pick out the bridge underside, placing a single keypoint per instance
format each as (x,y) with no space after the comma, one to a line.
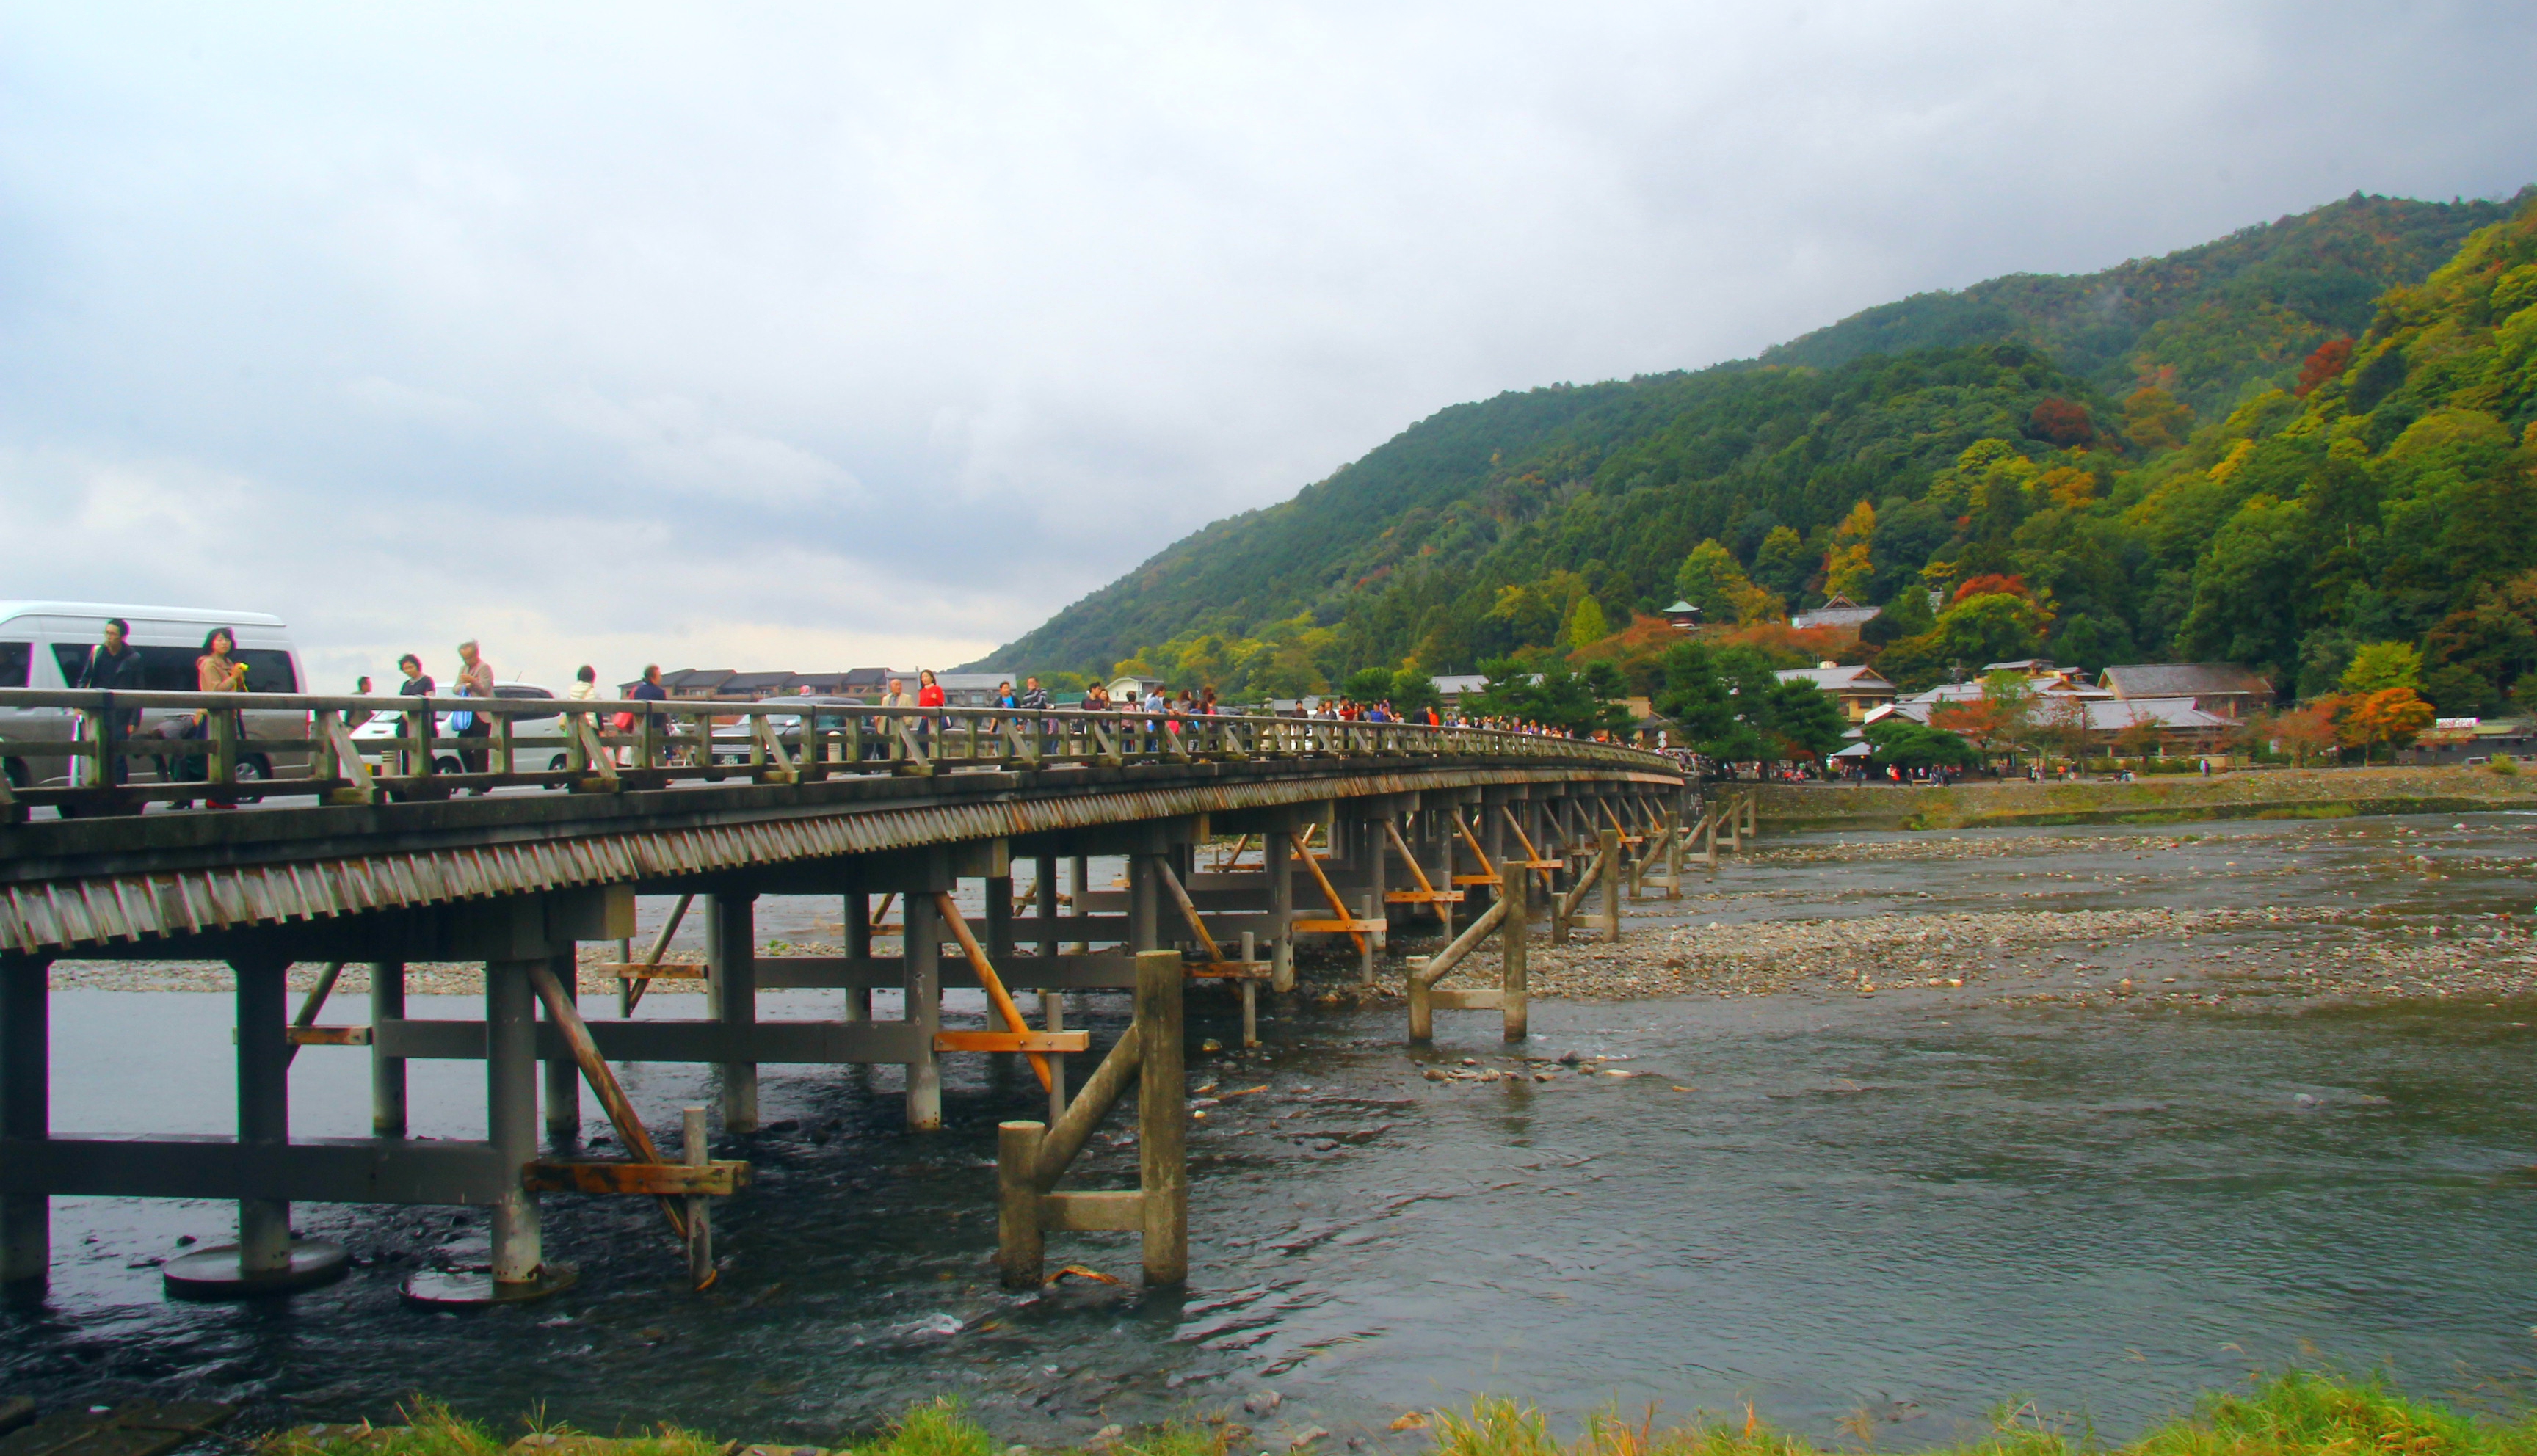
(1343,852)
(142,885)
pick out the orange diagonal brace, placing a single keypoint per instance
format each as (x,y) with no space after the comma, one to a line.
(1469,839)
(1339,906)
(1530,853)
(1189,910)
(995,992)
(1394,830)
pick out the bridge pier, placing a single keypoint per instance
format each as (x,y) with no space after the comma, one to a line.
(921,942)
(856,918)
(387,1072)
(519,1263)
(1144,903)
(25,1115)
(730,996)
(263,1108)
(1281,910)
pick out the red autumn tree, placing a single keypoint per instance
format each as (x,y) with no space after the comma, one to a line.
(2062,422)
(1990,584)
(2327,362)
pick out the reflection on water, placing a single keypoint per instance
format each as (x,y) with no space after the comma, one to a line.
(1910,1204)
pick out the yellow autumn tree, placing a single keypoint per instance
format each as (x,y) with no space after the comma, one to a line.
(1848,570)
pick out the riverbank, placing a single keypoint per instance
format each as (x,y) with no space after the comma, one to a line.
(2249,794)
(2294,1414)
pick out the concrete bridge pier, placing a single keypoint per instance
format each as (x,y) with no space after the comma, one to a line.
(387,1073)
(511,1120)
(263,1107)
(858,946)
(26,1113)
(1281,911)
(265,1259)
(731,996)
(922,955)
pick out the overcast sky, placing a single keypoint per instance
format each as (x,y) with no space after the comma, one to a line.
(814,337)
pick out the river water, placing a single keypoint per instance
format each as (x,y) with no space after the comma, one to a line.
(1885,1214)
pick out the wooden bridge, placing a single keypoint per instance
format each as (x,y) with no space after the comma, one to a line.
(361,849)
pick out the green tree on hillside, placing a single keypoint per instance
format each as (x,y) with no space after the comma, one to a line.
(1555,696)
(2379,665)
(1710,579)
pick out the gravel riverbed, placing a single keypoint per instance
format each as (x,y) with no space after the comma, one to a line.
(2426,907)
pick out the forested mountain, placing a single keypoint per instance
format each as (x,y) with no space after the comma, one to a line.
(2206,323)
(2189,455)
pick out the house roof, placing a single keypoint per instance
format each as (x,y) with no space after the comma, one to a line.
(2183,681)
(1458,685)
(2111,716)
(755,682)
(1852,678)
(1840,612)
(2033,666)
(1679,607)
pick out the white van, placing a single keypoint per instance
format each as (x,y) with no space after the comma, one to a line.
(46,645)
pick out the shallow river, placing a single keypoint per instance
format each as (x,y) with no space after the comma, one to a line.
(1894,1213)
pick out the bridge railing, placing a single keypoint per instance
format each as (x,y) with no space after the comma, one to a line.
(95,752)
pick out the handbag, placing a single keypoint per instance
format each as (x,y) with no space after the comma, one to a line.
(461,722)
(623,721)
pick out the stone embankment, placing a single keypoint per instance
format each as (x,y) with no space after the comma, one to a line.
(2248,793)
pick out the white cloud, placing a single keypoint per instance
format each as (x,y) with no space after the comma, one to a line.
(815,335)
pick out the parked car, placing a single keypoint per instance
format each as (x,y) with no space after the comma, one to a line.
(46,645)
(732,741)
(376,738)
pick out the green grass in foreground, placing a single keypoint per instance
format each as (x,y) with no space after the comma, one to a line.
(2294,1414)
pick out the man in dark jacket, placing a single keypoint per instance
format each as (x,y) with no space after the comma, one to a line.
(114,666)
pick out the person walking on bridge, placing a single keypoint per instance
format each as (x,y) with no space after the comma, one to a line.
(649,690)
(215,672)
(114,666)
(416,684)
(475,681)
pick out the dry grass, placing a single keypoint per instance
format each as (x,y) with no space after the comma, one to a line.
(2295,1413)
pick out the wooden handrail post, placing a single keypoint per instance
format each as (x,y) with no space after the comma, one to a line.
(1162,1119)
(1022,1249)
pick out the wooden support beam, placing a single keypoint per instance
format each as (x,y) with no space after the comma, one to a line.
(1353,926)
(996,995)
(629,993)
(1189,911)
(1107,1211)
(328,1036)
(566,1018)
(302,1170)
(306,1018)
(719,1178)
(1032,1042)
